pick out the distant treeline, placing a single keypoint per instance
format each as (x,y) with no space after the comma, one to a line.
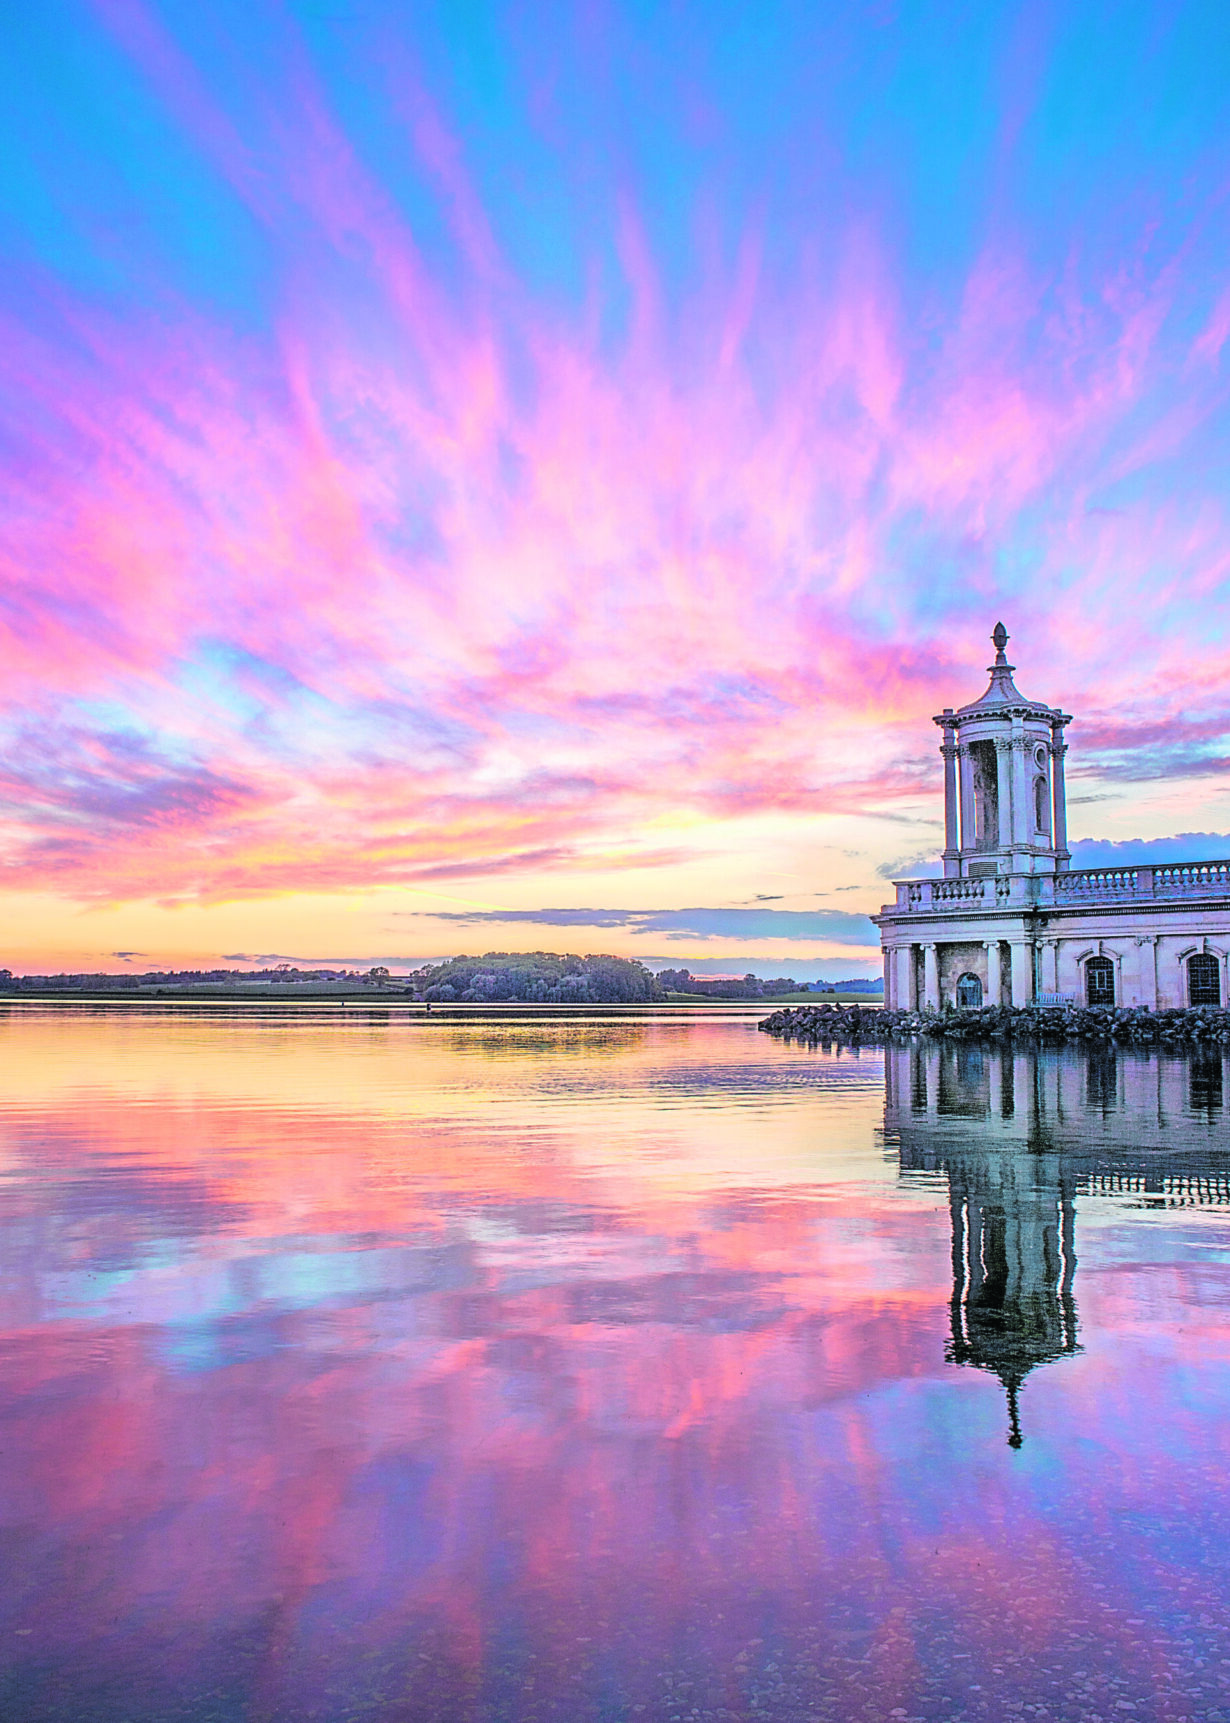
(130,980)
(549,979)
(531,976)
(752,987)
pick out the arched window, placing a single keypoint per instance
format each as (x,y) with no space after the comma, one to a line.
(969,992)
(984,778)
(1099,981)
(1203,980)
(1042,812)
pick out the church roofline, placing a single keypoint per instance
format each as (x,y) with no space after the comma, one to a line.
(1002,699)
(1020,707)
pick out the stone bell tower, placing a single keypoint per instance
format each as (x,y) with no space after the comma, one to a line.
(1005,809)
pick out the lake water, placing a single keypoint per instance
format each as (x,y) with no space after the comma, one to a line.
(359,1368)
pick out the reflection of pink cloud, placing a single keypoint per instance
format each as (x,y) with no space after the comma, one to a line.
(299,1389)
(612,1479)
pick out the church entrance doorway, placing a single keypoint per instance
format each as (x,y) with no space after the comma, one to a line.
(969,992)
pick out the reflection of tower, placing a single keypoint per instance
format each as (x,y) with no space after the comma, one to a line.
(1017,1135)
(977,1115)
(1013,1256)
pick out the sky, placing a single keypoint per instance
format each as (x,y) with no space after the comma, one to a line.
(523,476)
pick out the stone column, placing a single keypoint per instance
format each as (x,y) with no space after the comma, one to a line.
(1003,773)
(952,842)
(992,946)
(905,965)
(1060,821)
(1069,971)
(889,977)
(1022,801)
(965,769)
(931,978)
(1050,966)
(1147,971)
(1022,972)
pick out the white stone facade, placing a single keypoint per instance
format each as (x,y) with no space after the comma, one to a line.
(1010,921)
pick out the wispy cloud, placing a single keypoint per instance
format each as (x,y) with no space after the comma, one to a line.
(915,866)
(729,963)
(838,925)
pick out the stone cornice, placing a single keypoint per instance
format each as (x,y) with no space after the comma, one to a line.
(1042,914)
(975,714)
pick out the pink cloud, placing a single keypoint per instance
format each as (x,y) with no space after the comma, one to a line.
(457,579)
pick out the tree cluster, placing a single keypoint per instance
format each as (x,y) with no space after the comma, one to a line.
(539,977)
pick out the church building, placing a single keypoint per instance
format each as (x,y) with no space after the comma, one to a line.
(1011,921)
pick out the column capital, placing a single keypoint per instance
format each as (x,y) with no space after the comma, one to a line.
(950,750)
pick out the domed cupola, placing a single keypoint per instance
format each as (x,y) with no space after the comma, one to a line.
(1005,809)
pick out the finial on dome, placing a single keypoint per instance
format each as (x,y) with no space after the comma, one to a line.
(999,639)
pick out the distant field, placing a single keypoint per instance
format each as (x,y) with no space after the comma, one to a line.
(398,1001)
(377,998)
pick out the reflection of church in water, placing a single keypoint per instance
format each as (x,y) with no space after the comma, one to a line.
(1019,1137)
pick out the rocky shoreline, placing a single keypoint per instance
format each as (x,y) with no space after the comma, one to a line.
(1137,1027)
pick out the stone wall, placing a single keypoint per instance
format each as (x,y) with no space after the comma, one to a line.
(1150,968)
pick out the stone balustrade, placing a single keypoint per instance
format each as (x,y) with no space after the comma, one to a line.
(1102,883)
(1185,879)
(1160,882)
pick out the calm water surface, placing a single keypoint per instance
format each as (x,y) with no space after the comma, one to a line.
(357,1368)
